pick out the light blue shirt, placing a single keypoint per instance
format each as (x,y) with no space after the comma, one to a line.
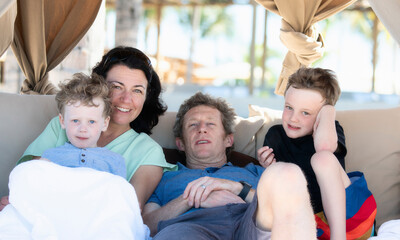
(138,149)
(97,158)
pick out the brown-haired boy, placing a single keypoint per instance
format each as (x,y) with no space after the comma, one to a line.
(310,137)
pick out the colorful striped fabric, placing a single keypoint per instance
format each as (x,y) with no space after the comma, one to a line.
(360,211)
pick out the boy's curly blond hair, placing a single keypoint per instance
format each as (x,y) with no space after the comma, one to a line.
(84,89)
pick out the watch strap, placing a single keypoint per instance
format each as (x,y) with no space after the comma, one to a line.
(245,190)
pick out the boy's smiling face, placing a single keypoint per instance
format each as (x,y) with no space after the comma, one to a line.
(84,124)
(300,112)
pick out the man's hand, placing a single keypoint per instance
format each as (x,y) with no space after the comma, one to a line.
(265,156)
(198,190)
(220,198)
(4,202)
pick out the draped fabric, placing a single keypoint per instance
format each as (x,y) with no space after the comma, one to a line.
(8,13)
(298,33)
(45,32)
(388,13)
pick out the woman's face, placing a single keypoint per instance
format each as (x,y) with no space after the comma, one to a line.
(128,93)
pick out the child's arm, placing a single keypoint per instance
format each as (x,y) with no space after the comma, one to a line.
(325,136)
(266,156)
(4,202)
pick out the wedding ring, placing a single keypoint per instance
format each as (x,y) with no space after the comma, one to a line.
(203,186)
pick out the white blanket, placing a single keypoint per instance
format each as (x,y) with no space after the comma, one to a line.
(48,201)
(389,230)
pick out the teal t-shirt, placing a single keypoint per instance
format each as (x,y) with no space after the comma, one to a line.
(137,149)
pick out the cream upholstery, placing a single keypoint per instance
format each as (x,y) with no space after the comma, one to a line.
(372,137)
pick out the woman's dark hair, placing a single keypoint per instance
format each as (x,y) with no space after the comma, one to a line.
(133,58)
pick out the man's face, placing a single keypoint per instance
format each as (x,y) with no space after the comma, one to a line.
(301,110)
(84,124)
(204,139)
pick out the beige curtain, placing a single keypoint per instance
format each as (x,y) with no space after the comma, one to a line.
(45,32)
(8,13)
(388,12)
(298,33)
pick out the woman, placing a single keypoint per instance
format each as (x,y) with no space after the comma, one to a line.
(135,91)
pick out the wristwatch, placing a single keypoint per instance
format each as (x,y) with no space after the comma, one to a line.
(245,191)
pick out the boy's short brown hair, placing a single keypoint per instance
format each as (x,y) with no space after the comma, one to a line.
(322,80)
(84,89)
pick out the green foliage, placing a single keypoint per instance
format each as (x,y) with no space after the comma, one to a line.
(214,20)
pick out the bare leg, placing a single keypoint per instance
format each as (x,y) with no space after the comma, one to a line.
(332,181)
(284,203)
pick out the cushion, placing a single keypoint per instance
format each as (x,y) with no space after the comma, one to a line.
(236,158)
(244,137)
(162,132)
(270,117)
(23,118)
(245,131)
(373,147)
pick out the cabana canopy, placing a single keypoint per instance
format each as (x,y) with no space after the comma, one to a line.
(8,13)
(43,32)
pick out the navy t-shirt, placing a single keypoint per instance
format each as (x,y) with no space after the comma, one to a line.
(299,151)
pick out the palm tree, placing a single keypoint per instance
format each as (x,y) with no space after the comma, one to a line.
(209,21)
(128,18)
(150,21)
(365,21)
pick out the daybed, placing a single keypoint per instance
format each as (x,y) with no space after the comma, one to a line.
(372,137)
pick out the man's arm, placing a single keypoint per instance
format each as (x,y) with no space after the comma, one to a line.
(200,189)
(325,136)
(154,213)
(218,192)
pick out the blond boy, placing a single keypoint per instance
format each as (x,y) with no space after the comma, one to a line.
(84,113)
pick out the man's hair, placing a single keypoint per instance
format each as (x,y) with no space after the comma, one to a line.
(322,80)
(199,99)
(84,89)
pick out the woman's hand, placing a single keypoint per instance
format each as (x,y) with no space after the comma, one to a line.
(265,156)
(4,202)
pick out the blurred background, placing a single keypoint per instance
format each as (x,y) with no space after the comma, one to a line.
(232,49)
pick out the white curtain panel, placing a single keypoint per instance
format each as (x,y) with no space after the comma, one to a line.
(8,13)
(388,11)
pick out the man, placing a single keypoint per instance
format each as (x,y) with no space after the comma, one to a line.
(212,199)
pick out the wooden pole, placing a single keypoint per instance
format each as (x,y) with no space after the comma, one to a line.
(252,49)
